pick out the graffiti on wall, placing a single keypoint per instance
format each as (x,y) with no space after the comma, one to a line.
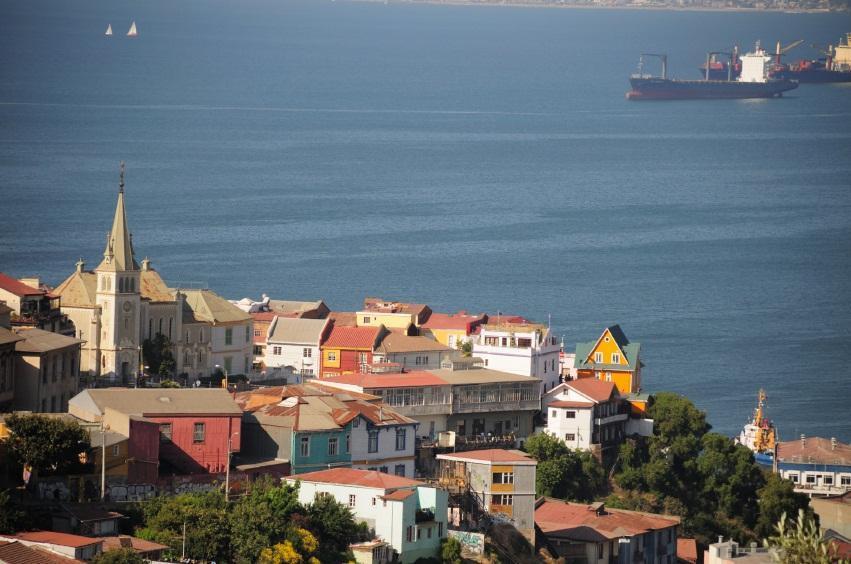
(471,542)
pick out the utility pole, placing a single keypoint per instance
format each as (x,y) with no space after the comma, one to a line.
(183,547)
(227,474)
(103,430)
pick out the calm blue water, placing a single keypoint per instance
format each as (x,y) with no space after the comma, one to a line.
(467,157)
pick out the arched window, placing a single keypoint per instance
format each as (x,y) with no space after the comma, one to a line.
(150,328)
(121,285)
(170,323)
(160,331)
(109,283)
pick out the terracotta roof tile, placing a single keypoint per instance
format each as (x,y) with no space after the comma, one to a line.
(345,337)
(585,522)
(137,544)
(687,550)
(61,539)
(398,495)
(815,449)
(593,389)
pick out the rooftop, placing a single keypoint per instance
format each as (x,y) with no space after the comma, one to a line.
(346,337)
(39,341)
(595,390)
(491,456)
(459,321)
(157,401)
(390,380)
(595,522)
(17,553)
(7,336)
(18,288)
(59,539)
(210,307)
(137,544)
(480,376)
(297,331)
(814,449)
(394,342)
(354,477)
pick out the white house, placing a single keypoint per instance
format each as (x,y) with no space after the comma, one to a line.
(586,414)
(527,349)
(231,334)
(295,342)
(408,515)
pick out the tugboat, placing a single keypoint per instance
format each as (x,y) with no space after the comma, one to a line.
(760,435)
(754,81)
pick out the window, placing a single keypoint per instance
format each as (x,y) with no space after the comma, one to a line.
(188,337)
(616,358)
(348,442)
(198,434)
(356,422)
(399,470)
(400,439)
(44,405)
(502,499)
(366,320)
(352,500)
(419,533)
(811,479)
(793,478)
(410,534)
(828,480)
(307,352)
(553,413)
(373,441)
(440,529)
(545,367)
(845,480)
(229,336)
(304,446)
(331,355)
(383,470)
(52,403)
(570,415)
(608,376)
(276,350)
(170,323)
(200,335)
(248,334)
(600,550)
(332,446)
(165,432)
(598,357)
(429,532)
(503,477)
(570,436)
(115,450)
(374,500)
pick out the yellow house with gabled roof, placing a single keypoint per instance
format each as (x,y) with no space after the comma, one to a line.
(611,358)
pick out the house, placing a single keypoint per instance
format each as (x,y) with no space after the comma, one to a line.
(231,333)
(408,515)
(148,550)
(414,352)
(46,370)
(349,349)
(393,315)
(834,513)
(261,321)
(611,358)
(590,415)
(452,329)
(15,552)
(313,427)
(87,520)
(295,342)
(527,349)
(7,366)
(67,545)
(471,402)
(595,533)
(33,305)
(197,428)
(498,482)
(817,466)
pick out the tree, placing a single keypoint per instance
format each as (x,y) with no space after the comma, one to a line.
(466,348)
(335,527)
(777,497)
(119,556)
(11,518)
(564,473)
(48,444)
(298,548)
(261,518)
(729,473)
(800,542)
(158,355)
(450,551)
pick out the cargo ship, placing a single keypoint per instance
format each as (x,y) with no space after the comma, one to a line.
(754,82)
(759,434)
(719,69)
(834,67)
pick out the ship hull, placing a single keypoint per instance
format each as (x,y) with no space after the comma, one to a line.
(668,89)
(817,76)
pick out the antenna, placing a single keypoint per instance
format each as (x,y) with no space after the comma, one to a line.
(121,178)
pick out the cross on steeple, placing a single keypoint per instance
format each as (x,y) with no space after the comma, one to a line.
(121,178)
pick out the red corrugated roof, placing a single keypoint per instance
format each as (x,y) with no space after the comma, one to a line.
(398,495)
(592,388)
(687,550)
(355,477)
(345,337)
(394,380)
(20,554)
(17,287)
(61,539)
(583,521)
(490,455)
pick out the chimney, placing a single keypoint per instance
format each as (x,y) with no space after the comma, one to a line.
(832,443)
(803,440)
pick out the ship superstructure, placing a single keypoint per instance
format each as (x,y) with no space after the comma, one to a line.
(760,435)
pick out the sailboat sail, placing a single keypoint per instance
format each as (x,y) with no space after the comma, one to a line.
(132,32)
(108,29)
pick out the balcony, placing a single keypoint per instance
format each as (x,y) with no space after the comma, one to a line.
(424,515)
(611,419)
(486,407)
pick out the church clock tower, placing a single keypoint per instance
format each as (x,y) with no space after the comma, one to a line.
(118,299)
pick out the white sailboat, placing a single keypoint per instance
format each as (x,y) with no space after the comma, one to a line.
(132,32)
(108,30)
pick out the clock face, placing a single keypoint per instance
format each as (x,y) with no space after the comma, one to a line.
(128,306)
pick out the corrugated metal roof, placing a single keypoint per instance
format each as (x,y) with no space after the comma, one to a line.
(208,306)
(297,331)
(38,341)
(345,337)
(394,342)
(595,522)
(355,477)
(14,286)
(158,401)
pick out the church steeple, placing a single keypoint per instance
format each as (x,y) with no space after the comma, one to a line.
(118,255)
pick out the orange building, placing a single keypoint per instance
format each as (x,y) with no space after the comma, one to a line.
(613,358)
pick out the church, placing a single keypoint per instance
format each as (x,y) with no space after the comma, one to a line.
(121,303)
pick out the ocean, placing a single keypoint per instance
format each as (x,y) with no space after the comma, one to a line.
(468,157)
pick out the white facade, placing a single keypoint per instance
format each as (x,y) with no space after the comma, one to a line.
(295,343)
(394,520)
(527,350)
(571,424)
(231,347)
(393,447)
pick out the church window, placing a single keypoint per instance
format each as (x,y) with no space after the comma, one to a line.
(160,332)
(247,333)
(132,285)
(126,323)
(150,328)
(229,336)
(170,323)
(109,283)
(121,285)
(188,337)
